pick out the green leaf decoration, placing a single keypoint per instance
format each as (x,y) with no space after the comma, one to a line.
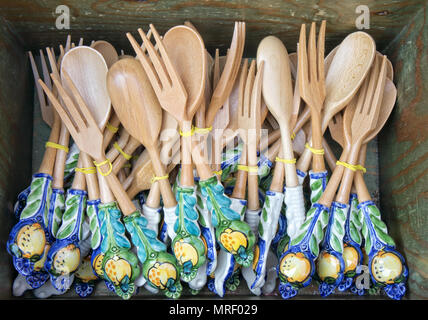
(112,229)
(317,183)
(337,230)
(355,223)
(38,198)
(186,211)
(92,213)
(261,230)
(58,211)
(73,214)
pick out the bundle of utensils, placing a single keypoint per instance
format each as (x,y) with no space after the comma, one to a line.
(189,169)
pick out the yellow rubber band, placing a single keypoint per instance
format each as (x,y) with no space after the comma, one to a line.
(154,179)
(54,145)
(202,130)
(188,133)
(314,151)
(290,161)
(220,172)
(248,168)
(293,135)
(111,128)
(352,167)
(125,155)
(89,170)
(98,165)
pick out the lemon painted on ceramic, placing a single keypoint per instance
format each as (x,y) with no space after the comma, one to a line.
(31,240)
(386,267)
(97,265)
(160,273)
(295,267)
(256,256)
(39,265)
(351,257)
(328,266)
(184,252)
(116,269)
(233,240)
(67,259)
(84,272)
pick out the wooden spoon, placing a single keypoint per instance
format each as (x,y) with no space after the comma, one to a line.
(107,50)
(138,109)
(278,95)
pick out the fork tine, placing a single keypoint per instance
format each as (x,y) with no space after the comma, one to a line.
(170,69)
(378,95)
(68,43)
(71,108)
(52,63)
(87,114)
(149,36)
(257,94)
(321,54)
(155,58)
(302,62)
(61,55)
(312,55)
(45,70)
(148,68)
(36,75)
(59,108)
(248,88)
(371,87)
(242,81)
(216,69)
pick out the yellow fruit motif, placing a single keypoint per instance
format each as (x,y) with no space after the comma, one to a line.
(97,264)
(184,252)
(84,272)
(351,258)
(116,269)
(328,266)
(386,267)
(295,267)
(67,259)
(233,240)
(40,264)
(256,256)
(31,240)
(160,273)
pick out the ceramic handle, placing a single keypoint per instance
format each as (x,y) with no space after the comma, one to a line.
(295,209)
(153,217)
(252,217)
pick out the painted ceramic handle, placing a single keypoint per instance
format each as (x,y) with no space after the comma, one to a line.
(301,175)
(159,268)
(317,183)
(71,161)
(352,254)
(296,266)
(266,231)
(116,263)
(21,202)
(63,257)
(233,235)
(153,217)
(330,264)
(170,218)
(29,240)
(252,217)
(295,209)
(187,245)
(386,265)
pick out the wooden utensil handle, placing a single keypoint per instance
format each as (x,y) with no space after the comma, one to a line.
(113,152)
(287,148)
(109,134)
(302,119)
(116,188)
(359,183)
(253,182)
(79,180)
(164,185)
(133,189)
(91,178)
(61,157)
(317,159)
(186,178)
(48,160)
(334,181)
(120,161)
(153,199)
(348,175)
(329,156)
(204,170)
(277,183)
(241,177)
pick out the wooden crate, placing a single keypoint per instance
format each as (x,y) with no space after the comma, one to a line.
(397,160)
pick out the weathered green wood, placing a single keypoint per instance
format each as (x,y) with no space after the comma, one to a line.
(403,149)
(15,139)
(34,20)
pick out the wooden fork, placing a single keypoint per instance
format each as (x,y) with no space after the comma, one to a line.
(81,125)
(312,84)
